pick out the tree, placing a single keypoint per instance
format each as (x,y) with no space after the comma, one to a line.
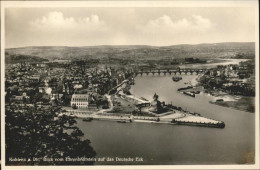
(66,98)
(34,132)
(74,106)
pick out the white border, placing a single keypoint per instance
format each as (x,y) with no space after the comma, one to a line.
(202,3)
(133,3)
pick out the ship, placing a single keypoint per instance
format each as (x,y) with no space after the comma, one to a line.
(121,121)
(176,78)
(88,119)
(189,94)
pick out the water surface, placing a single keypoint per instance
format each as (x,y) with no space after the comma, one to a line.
(165,144)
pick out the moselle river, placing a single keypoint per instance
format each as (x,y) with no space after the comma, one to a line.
(212,65)
(165,144)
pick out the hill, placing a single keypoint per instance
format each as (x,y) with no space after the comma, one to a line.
(135,52)
(18,58)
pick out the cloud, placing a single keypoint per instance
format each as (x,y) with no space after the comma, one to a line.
(55,28)
(56,20)
(194,23)
(202,23)
(165,29)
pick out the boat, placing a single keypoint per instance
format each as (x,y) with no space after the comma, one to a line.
(189,94)
(121,121)
(221,125)
(196,92)
(176,78)
(185,88)
(88,119)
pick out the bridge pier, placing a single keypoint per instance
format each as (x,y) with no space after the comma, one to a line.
(164,72)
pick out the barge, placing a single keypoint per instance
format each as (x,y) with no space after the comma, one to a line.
(185,88)
(189,94)
(87,119)
(121,121)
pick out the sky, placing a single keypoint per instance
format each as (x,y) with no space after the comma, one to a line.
(127,26)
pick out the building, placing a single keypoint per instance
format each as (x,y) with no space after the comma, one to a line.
(79,100)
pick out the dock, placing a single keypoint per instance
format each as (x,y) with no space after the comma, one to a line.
(196,120)
(179,118)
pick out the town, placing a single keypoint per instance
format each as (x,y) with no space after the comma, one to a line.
(90,90)
(75,85)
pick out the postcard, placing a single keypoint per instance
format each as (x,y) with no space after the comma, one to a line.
(130,84)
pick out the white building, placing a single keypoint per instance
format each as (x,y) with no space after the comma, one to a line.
(80,100)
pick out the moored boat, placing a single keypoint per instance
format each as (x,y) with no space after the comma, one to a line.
(176,78)
(121,121)
(88,119)
(189,94)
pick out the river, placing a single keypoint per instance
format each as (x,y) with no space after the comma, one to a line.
(174,144)
(214,63)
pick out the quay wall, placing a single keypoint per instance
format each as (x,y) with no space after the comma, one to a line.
(188,122)
(213,125)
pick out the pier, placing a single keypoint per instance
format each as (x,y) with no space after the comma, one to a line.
(195,120)
(177,118)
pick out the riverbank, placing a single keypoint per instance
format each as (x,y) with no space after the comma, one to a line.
(236,102)
(221,98)
(246,104)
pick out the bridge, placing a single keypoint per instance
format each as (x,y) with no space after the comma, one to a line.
(169,71)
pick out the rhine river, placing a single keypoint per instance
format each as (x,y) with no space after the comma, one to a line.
(164,144)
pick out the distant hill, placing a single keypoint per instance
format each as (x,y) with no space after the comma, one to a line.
(218,50)
(18,58)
